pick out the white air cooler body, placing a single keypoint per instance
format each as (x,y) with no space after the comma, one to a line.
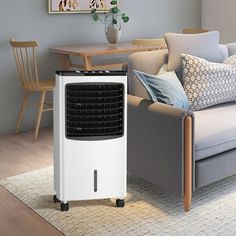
(90,139)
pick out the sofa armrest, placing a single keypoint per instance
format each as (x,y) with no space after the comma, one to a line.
(156,143)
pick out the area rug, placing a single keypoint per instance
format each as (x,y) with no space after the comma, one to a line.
(148,210)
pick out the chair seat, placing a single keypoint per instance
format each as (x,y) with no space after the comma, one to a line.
(44,85)
(215,130)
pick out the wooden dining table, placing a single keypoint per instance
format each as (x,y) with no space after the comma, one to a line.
(89,51)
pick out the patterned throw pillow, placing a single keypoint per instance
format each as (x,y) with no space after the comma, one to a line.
(230,61)
(207,83)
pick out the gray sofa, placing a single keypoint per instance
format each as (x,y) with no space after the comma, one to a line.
(178,150)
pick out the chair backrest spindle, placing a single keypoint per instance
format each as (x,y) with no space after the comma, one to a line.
(26,62)
(35,66)
(194,31)
(29,66)
(150,44)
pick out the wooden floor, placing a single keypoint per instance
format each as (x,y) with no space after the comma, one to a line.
(19,154)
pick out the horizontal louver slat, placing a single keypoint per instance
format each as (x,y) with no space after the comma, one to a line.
(94,110)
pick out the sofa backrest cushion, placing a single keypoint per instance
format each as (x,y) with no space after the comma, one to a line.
(206,83)
(204,45)
(231,48)
(231,61)
(224,51)
(149,62)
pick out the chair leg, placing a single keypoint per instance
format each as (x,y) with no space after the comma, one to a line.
(39,115)
(188,163)
(22,111)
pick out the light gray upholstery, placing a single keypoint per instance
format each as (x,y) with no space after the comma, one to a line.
(148,62)
(224,51)
(204,45)
(155,134)
(155,143)
(215,168)
(215,130)
(231,48)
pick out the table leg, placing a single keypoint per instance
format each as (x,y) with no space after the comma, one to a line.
(64,61)
(87,63)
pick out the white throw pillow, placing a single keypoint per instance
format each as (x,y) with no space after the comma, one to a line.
(207,83)
(204,45)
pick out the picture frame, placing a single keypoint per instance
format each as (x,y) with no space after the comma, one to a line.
(78,6)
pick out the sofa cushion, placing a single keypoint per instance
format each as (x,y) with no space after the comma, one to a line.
(215,130)
(207,83)
(223,51)
(205,45)
(165,88)
(231,48)
(230,60)
(149,62)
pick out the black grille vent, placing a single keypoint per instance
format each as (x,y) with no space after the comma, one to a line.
(94,110)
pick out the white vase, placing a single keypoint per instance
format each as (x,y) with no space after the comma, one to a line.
(113,34)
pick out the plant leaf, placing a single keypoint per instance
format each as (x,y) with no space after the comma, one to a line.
(114,21)
(114,2)
(95,17)
(115,10)
(125,19)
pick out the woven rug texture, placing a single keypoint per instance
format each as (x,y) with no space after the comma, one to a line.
(148,210)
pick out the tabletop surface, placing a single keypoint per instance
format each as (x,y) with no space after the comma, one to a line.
(96,49)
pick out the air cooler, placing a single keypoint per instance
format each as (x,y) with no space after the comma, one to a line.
(90,136)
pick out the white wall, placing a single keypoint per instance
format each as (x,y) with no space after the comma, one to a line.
(220,15)
(28,19)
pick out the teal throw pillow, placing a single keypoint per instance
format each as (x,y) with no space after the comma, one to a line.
(165,88)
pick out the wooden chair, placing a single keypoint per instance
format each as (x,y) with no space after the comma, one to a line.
(26,62)
(150,44)
(194,31)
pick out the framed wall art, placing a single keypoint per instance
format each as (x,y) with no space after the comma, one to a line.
(78,6)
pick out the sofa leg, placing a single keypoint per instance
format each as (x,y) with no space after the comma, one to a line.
(187,163)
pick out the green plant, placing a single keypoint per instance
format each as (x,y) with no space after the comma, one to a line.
(113,17)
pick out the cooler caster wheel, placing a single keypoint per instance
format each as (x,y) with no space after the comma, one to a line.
(120,202)
(55,199)
(64,206)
